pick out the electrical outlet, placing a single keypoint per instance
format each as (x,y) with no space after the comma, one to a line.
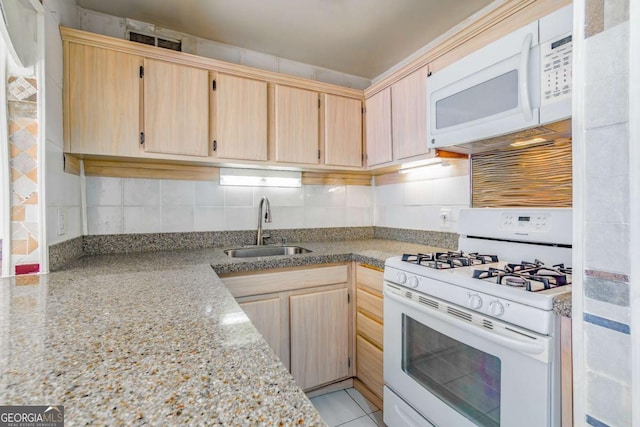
(445,217)
(61,214)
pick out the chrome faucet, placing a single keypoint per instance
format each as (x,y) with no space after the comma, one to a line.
(267,218)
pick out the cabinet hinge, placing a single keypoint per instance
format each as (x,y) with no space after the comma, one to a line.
(141,71)
(429,73)
(348,298)
(215,145)
(318,154)
(213,85)
(141,137)
(318,103)
(348,362)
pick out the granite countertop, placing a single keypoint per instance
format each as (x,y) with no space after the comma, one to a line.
(154,338)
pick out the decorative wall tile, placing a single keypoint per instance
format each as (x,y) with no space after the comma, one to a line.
(22,89)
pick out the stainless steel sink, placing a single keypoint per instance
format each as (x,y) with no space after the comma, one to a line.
(258,251)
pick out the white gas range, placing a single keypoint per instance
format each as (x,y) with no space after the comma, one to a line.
(469,333)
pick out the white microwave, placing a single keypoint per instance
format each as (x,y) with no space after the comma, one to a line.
(517,83)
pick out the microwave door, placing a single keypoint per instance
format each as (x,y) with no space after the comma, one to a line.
(476,98)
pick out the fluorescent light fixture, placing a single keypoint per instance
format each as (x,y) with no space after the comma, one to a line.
(421,169)
(418,163)
(260,178)
(526,142)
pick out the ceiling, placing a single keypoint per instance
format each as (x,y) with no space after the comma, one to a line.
(359,37)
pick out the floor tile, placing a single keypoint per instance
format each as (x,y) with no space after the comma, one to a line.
(337,408)
(363,421)
(377,417)
(362,401)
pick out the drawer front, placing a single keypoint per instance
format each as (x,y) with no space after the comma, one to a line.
(369,279)
(369,303)
(369,369)
(369,329)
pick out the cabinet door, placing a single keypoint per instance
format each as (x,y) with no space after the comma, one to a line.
(319,337)
(378,126)
(102,109)
(266,317)
(409,115)
(240,117)
(342,130)
(296,125)
(176,109)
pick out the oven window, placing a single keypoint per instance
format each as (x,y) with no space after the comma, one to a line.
(465,378)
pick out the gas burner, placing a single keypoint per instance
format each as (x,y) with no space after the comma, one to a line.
(450,259)
(532,276)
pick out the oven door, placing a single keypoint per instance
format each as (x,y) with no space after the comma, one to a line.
(456,367)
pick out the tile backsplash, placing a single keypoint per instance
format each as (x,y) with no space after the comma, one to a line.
(128,205)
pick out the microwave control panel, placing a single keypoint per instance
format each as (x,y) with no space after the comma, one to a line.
(556,56)
(517,222)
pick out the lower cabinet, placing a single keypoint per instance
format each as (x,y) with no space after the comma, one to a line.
(369,333)
(303,314)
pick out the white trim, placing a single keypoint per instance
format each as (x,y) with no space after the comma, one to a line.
(83,199)
(634,202)
(578,134)
(5,190)
(43,241)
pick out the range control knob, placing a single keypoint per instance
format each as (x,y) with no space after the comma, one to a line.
(475,301)
(496,308)
(412,282)
(401,278)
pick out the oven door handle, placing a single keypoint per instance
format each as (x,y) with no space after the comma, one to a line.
(517,345)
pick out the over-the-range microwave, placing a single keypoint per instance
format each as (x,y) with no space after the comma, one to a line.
(517,86)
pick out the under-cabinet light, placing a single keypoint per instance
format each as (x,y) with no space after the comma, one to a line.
(420,169)
(526,142)
(260,178)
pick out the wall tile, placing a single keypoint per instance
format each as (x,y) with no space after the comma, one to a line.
(174,193)
(608,352)
(358,217)
(53,50)
(294,68)
(608,203)
(286,217)
(53,108)
(607,151)
(103,191)
(389,195)
(241,218)
(607,310)
(209,218)
(608,101)
(209,193)
(104,220)
(607,54)
(610,291)
(259,60)
(141,192)
(279,196)
(177,219)
(360,196)
(238,196)
(324,196)
(141,219)
(608,247)
(608,400)
(324,217)
(101,23)
(418,193)
(615,13)
(218,51)
(452,191)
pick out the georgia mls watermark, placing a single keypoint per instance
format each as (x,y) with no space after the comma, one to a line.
(31,416)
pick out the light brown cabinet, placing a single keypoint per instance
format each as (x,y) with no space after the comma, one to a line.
(397,120)
(102,101)
(319,337)
(303,314)
(239,117)
(342,130)
(296,124)
(378,128)
(369,333)
(409,115)
(176,109)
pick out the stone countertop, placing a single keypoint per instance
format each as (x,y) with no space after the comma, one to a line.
(154,338)
(562,305)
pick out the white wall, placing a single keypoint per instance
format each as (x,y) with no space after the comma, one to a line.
(117,27)
(118,205)
(62,190)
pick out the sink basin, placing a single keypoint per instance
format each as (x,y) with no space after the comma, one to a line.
(257,251)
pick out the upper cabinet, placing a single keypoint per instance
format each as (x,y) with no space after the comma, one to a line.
(102,101)
(397,120)
(296,124)
(409,115)
(176,109)
(239,117)
(378,125)
(342,131)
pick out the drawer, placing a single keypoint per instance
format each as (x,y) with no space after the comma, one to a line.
(372,304)
(370,329)
(369,279)
(369,368)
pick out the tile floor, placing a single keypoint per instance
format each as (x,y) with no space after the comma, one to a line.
(347,408)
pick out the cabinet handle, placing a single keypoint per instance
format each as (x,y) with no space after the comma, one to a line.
(213,85)
(141,138)
(215,145)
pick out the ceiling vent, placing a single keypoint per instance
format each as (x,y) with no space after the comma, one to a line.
(155,41)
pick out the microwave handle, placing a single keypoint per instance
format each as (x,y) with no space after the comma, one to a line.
(517,345)
(525,102)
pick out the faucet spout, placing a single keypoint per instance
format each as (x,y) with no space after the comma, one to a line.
(267,218)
